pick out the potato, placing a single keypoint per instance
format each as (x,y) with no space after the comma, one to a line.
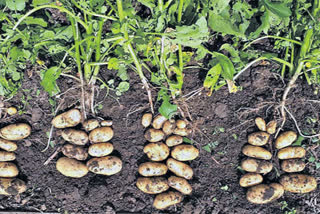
(179,168)
(291,152)
(263,194)
(184,152)
(12,186)
(258,166)
(76,152)
(261,123)
(91,124)
(106,123)
(250,179)
(101,135)
(8,170)
(293,165)
(174,140)
(181,124)
(285,139)
(180,184)
(157,151)
(272,127)
(12,110)
(8,145)
(67,119)
(108,165)
(298,183)
(7,156)
(154,135)
(100,149)
(17,131)
(74,136)
(158,121)
(71,167)
(153,185)
(279,191)
(182,132)
(152,169)
(168,127)
(167,199)
(256,152)
(146,120)
(258,138)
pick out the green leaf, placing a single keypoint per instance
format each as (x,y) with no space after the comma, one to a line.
(212,78)
(16,4)
(223,25)
(49,80)
(36,3)
(280,9)
(166,109)
(298,141)
(227,67)
(35,21)
(113,63)
(148,3)
(123,87)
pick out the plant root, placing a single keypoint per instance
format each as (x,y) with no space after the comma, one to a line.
(147,87)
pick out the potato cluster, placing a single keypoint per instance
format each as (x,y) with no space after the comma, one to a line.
(9,184)
(76,151)
(155,180)
(259,163)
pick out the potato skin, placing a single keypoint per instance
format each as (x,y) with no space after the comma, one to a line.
(154,135)
(256,152)
(157,151)
(180,169)
(272,127)
(182,132)
(12,186)
(91,124)
(168,127)
(258,138)
(71,168)
(250,179)
(8,145)
(158,121)
(152,185)
(101,135)
(167,199)
(298,183)
(180,184)
(291,152)
(16,131)
(146,120)
(258,166)
(67,119)
(279,191)
(7,156)
(184,152)
(261,123)
(285,139)
(76,152)
(8,170)
(293,165)
(181,124)
(100,149)
(106,123)
(74,136)
(108,165)
(148,169)
(174,140)
(263,194)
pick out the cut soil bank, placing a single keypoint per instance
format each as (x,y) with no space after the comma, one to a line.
(215,183)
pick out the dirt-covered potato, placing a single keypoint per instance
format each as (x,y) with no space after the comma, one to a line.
(174,140)
(8,170)
(279,191)
(158,121)
(8,145)
(101,135)
(256,152)
(12,186)
(181,124)
(261,123)
(108,165)
(262,193)
(100,149)
(258,138)
(180,184)
(184,152)
(250,179)
(167,199)
(71,168)
(298,183)
(67,119)
(74,136)
(293,165)
(285,139)
(106,123)
(91,124)
(182,132)
(17,131)
(7,156)
(291,152)
(146,120)
(76,152)
(157,151)
(258,166)
(154,135)
(272,127)
(179,168)
(153,185)
(12,110)
(152,169)
(168,127)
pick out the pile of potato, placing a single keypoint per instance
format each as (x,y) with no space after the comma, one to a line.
(259,162)
(9,184)
(76,150)
(155,180)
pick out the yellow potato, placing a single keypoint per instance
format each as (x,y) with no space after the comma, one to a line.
(12,110)
(293,165)
(167,199)
(250,179)
(100,149)
(168,127)
(108,165)
(76,152)
(74,136)
(158,121)
(182,132)
(261,123)
(8,145)
(258,138)
(272,127)
(17,131)
(71,167)
(174,140)
(146,120)
(256,152)
(67,119)
(12,186)
(153,185)
(279,191)
(180,184)
(258,166)
(181,124)
(298,183)
(184,152)
(157,151)
(263,194)
(154,135)
(291,152)
(8,170)
(7,156)
(152,169)
(91,124)
(106,123)
(179,168)
(285,139)
(101,135)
